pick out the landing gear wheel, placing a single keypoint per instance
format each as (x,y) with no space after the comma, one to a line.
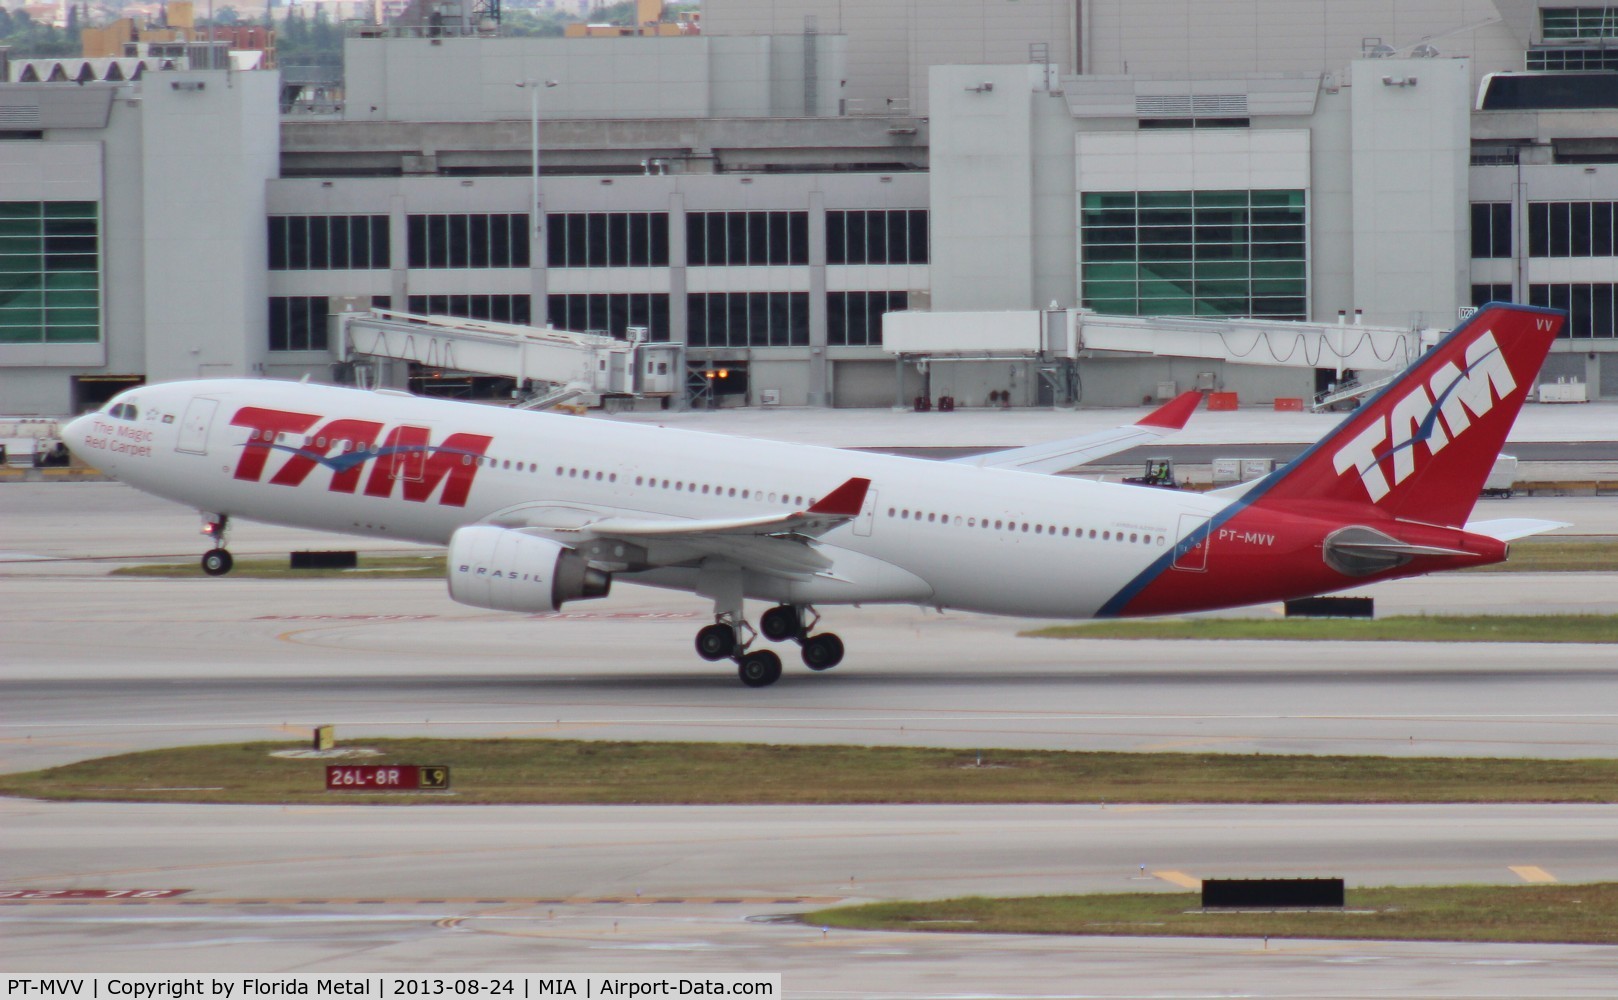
(780,622)
(823,651)
(217,562)
(759,669)
(716,642)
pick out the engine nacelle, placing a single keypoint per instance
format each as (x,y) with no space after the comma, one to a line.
(505,570)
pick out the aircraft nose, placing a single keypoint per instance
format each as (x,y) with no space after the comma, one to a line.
(74,433)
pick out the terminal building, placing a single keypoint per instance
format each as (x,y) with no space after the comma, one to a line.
(764,192)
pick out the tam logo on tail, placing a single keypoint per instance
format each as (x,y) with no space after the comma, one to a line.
(1434,414)
(1422,448)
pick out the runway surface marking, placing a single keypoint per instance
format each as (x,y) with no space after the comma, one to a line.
(1532,873)
(1180,879)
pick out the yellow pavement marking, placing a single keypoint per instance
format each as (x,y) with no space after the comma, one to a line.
(1532,873)
(1180,879)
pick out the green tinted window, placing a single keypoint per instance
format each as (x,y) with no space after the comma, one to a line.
(1199,253)
(50,272)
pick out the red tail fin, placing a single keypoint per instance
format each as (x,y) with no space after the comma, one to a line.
(1421,448)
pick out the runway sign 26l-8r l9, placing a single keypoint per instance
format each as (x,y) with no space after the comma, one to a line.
(386,777)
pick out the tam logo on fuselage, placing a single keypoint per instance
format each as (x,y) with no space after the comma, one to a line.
(403,455)
(1457,396)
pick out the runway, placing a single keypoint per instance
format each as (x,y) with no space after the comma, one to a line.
(560,886)
(95,665)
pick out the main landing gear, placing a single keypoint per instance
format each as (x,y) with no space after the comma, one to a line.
(730,636)
(216,561)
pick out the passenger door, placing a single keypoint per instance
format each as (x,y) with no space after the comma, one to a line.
(195,425)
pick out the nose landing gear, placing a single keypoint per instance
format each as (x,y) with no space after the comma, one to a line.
(217,561)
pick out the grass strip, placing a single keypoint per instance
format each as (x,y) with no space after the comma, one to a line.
(1399,628)
(1570,914)
(1557,555)
(370,567)
(584,771)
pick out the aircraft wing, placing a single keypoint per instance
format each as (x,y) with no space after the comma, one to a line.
(837,507)
(780,544)
(1052,457)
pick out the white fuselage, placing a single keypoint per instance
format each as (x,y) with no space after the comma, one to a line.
(931,533)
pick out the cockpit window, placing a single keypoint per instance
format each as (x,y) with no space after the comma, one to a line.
(124,411)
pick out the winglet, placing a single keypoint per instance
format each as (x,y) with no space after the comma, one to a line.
(845,501)
(1174,413)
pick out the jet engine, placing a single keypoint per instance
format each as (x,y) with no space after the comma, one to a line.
(505,570)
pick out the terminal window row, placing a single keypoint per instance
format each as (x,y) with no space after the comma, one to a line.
(467,241)
(854,319)
(878,236)
(607,239)
(717,239)
(1491,229)
(298,322)
(50,272)
(597,239)
(1571,229)
(1578,22)
(1573,58)
(1591,309)
(1483,294)
(328,242)
(748,319)
(495,308)
(611,314)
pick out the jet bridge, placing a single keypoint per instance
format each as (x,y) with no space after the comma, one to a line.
(551,366)
(1052,341)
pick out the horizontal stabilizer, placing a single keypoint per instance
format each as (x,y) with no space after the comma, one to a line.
(1052,457)
(1506,529)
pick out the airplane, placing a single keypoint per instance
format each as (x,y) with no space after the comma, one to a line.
(540,509)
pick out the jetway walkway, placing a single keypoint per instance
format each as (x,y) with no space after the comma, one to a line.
(548,365)
(1063,333)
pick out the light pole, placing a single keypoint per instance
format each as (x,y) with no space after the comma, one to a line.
(534,87)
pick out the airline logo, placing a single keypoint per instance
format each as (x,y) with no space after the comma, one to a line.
(1433,414)
(404,455)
